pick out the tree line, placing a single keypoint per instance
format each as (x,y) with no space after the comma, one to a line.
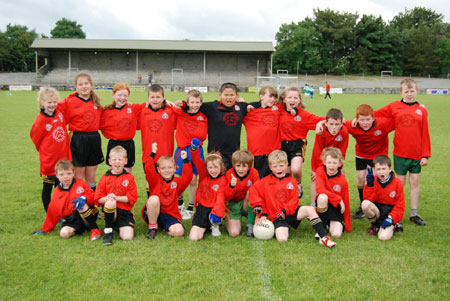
(415,42)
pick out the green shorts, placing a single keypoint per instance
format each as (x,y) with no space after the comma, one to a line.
(403,165)
(236,210)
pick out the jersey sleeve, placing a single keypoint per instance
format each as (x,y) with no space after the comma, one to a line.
(385,111)
(317,151)
(426,143)
(185,179)
(100,190)
(132,193)
(219,205)
(346,199)
(229,190)
(37,134)
(199,164)
(344,144)
(89,194)
(311,120)
(398,210)
(51,219)
(255,198)
(370,193)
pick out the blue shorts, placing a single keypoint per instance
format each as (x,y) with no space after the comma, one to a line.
(179,161)
(166,220)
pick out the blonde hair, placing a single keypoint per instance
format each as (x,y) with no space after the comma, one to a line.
(278,156)
(166,158)
(64,164)
(194,93)
(45,93)
(409,83)
(334,153)
(294,89)
(93,96)
(272,91)
(117,87)
(216,156)
(242,156)
(120,150)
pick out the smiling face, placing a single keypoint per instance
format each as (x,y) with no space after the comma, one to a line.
(194,104)
(117,161)
(365,122)
(49,104)
(228,97)
(213,168)
(278,168)
(382,171)
(409,93)
(333,126)
(155,99)
(332,165)
(65,176)
(241,169)
(292,100)
(84,87)
(268,99)
(120,98)
(166,169)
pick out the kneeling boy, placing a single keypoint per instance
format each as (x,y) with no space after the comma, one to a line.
(384,199)
(73,201)
(117,193)
(276,197)
(162,206)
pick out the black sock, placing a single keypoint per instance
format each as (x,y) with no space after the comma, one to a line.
(318,226)
(46,194)
(90,216)
(180,200)
(93,186)
(109,217)
(190,207)
(360,192)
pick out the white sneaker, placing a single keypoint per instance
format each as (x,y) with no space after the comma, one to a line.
(215,231)
(182,209)
(300,190)
(187,214)
(317,237)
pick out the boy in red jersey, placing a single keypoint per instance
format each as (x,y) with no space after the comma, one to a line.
(371,135)
(293,131)
(191,123)
(73,201)
(276,197)
(119,122)
(239,180)
(412,146)
(49,135)
(334,135)
(117,193)
(82,111)
(332,202)
(261,125)
(161,208)
(384,200)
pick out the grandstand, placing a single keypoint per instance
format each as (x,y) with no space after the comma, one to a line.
(199,63)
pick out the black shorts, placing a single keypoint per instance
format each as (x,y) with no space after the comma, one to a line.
(86,148)
(128,145)
(361,164)
(227,160)
(164,220)
(291,220)
(76,221)
(261,164)
(295,148)
(384,211)
(201,217)
(332,214)
(125,218)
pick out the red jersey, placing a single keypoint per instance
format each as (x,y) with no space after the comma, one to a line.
(61,205)
(336,188)
(121,185)
(210,191)
(120,123)
(327,140)
(167,190)
(49,135)
(190,126)
(81,115)
(261,125)
(389,193)
(239,191)
(274,194)
(327,87)
(374,141)
(296,127)
(157,126)
(411,138)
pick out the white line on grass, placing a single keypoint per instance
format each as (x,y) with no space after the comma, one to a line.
(263,271)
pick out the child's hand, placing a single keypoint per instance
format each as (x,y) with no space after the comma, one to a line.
(250,108)
(40,232)
(169,103)
(313,176)
(341,203)
(424,162)
(183,155)
(293,112)
(240,99)
(260,220)
(154,147)
(178,103)
(354,122)
(319,127)
(214,219)
(369,177)
(233,181)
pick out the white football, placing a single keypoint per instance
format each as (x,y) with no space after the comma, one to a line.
(264,230)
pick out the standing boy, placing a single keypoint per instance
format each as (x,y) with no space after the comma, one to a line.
(276,197)
(117,193)
(412,146)
(327,90)
(384,200)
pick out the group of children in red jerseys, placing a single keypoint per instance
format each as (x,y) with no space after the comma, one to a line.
(263,182)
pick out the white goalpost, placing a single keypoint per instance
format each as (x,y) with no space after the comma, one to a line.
(386,74)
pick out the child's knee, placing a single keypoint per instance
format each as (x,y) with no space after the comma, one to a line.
(322,200)
(365,205)
(153,201)
(282,238)
(336,233)
(66,232)
(176,230)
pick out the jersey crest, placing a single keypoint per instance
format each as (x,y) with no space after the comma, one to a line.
(419,112)
(392,194)
(289,186)
(339,138)
(165,116)
(237,108)
(200,118)
(230,119)
(59,134)
(173,185)
(298,118)
(337,188)
(377,133)
(129,110)
(80,190)
(48,127)
(249,183)
(60,117)
(125,183)
(274,108)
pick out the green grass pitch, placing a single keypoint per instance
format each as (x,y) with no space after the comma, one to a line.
(413,265)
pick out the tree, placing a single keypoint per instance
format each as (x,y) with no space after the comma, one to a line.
(67,29)
(16,54)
